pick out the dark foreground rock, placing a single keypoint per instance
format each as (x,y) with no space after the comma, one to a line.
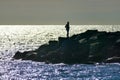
(88,47)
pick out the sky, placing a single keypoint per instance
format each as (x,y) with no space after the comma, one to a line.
(58,12)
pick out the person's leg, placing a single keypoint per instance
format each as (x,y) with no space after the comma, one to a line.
(67,34)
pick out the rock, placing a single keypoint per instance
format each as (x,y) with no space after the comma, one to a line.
(88,47)
(18,55)
(27,55)
(113,60)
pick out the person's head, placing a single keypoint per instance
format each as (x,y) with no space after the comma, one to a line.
(67,22)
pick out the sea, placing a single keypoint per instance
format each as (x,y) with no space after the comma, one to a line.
(22,38)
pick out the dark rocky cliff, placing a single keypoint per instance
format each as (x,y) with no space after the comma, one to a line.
(88,47)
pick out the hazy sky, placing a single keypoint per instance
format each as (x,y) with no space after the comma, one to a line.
(38,12)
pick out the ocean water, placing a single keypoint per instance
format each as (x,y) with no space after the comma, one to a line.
(22,38)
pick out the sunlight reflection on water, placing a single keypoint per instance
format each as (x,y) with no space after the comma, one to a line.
(17,70)
(27,37)
(30,37)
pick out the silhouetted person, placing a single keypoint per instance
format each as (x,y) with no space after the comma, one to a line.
(67,26)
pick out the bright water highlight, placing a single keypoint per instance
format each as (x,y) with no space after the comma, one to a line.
(27,70)
(29,37)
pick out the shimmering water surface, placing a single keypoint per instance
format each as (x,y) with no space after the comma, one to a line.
(27,70)
(29,37)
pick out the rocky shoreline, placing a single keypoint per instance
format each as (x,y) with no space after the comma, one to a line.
(89,47)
